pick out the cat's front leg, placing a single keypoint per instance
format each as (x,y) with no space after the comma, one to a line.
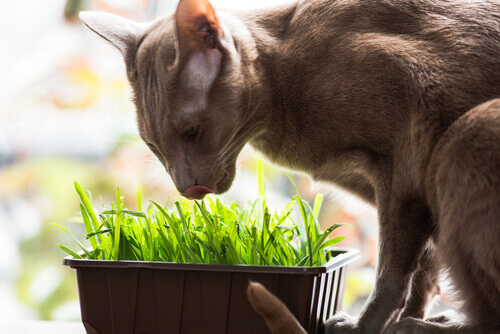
(405,227)
(424,286)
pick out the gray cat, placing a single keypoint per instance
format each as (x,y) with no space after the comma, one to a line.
(393,100)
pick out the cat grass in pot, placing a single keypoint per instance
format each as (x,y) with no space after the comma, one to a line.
(193,264)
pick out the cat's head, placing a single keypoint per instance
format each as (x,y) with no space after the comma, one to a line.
(190,90)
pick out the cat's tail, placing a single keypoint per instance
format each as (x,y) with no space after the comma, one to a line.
(278,317)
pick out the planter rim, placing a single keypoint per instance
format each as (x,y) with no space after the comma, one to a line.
(342,257)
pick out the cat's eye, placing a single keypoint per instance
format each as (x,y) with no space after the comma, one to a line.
(191,134)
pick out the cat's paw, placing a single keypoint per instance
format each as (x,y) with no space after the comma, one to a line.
(342,323)
(410,326)
(446,317)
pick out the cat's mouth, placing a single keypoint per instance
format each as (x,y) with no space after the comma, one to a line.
(199,192)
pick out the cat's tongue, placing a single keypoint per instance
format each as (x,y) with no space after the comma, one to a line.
(198,192)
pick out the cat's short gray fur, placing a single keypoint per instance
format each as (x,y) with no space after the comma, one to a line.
(394,100)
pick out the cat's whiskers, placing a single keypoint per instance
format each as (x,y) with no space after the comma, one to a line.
(238,136)
(224,161)
(243,122)
(235,144)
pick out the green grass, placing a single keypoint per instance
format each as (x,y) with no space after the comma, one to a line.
(206,231)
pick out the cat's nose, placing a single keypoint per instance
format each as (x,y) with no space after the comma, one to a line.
(198,192)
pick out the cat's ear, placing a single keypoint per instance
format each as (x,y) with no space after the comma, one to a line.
(199,37)
(197,26)
(122,33)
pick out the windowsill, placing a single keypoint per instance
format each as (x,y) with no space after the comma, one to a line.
(42,327)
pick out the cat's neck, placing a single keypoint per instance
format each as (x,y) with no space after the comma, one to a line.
(262,46)
(269,27)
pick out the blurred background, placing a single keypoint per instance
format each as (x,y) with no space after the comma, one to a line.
(66,114)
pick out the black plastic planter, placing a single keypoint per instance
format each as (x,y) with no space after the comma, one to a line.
(123,297)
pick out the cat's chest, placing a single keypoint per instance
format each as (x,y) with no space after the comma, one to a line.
(321,161)
(353,170)
(287,152)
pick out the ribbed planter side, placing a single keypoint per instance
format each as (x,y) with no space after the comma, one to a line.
(151,297)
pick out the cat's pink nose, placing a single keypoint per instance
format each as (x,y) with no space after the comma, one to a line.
(198,192)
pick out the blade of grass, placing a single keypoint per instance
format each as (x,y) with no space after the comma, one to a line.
(175,230)
(332,241)
(77,241)
(139,198)
(128,212)
(88,227)
(69,251)
(260,173)
(87,204)
(307,228)
(324,236)
(118,219)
